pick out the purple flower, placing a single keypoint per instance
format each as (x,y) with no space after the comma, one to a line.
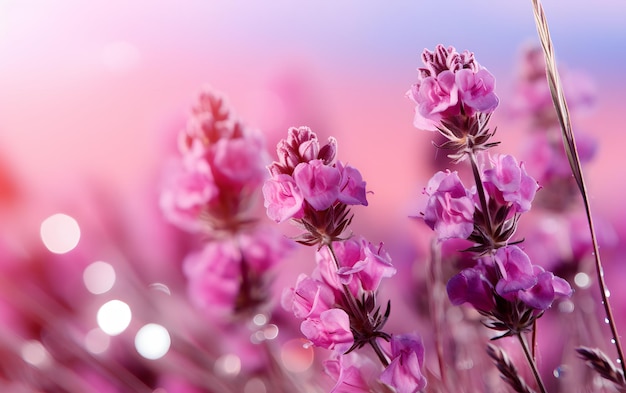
(476,90)
(351,186)
(331,330)
(516,271)
(475,286)
(450,208)
(404,372)
(282,198)
(545,291)
(528,283)
(319,183)
(509,177)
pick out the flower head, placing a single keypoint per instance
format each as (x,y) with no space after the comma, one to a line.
(449,86)
(404,372)
(450,208)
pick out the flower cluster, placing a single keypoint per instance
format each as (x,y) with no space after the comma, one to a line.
(451,84)
(508,289)
(502,284)
(338,302)
(453,211)
(210,189)
(308,185)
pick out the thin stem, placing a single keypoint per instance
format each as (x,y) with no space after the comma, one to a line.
(531,363)
(381,356)
(437,306)
(481,191)
(534,341)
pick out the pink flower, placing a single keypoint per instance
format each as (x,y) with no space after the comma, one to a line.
(263,247)
(433,96)
(239,163)
(352,372)
(372,265)
(331,330)
(282,198)
(213,276)
(352,186)
(404,372)
(309,298)
(319,183)
(188,190)
(511,179)
(450,209)
(450,85)
(476,90)
(362,266)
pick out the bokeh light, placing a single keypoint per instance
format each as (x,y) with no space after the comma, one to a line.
(296,356)
(114,317)
(99,277)
(60,233)
(228,365)
(152,341)
(97,341)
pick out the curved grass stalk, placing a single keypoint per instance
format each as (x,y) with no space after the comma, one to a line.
(569,142)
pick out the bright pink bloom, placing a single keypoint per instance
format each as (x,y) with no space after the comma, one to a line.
(352,372)
(331,330)
(450,84)
(372,265)
(309,298)
(450,208)
(476,90)
(362,266)
(434,95)
(282,198)
(510,178)
(319,183)
(404,372)
(352,186)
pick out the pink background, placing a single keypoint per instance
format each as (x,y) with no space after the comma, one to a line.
(91,92)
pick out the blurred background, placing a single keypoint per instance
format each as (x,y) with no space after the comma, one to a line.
(93,93)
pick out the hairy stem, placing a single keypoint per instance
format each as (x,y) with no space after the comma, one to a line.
(531,363)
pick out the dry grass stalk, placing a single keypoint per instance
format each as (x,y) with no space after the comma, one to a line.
(600,363)
(507,369)
(569,142)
